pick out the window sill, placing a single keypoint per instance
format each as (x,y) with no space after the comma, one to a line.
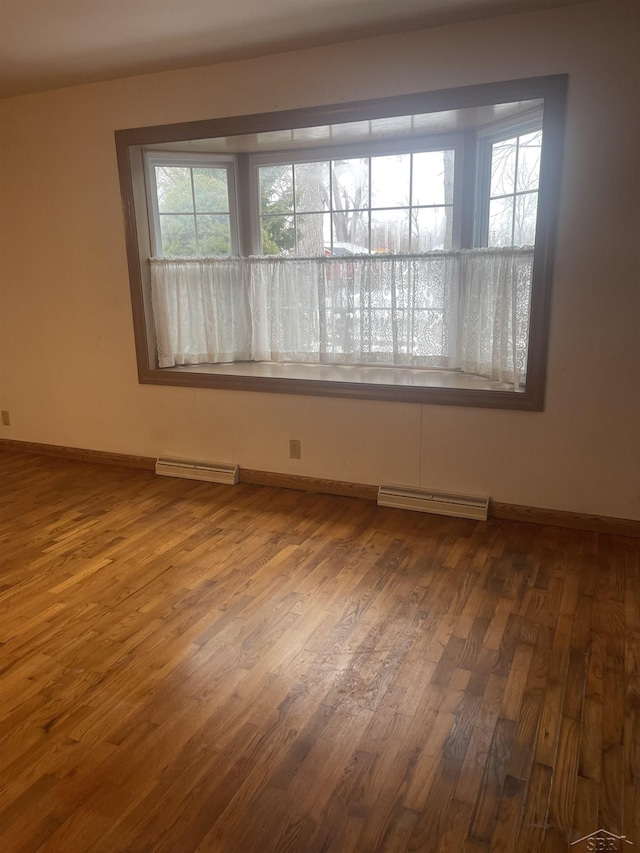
(398,384)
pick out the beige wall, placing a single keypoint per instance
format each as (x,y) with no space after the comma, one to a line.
(67,364)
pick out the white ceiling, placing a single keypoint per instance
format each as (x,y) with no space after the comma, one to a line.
(46,44)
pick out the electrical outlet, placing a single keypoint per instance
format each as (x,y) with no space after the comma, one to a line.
(294,448)
(6,420)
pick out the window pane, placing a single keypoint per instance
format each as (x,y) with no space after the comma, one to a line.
(529,161)
(503,167)
(350,183)
(433,177)
(432,229)
(211,190)
(351,233)
(390,178)
(278,235)
(276,189)
(312,186)
(390,231)
(500,222)
(526,214)
(314,233)
(214,235)
(174,189)
(178,235)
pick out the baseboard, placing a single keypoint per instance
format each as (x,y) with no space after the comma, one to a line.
(79,454)
(562,518)
(363,491)
(309,484)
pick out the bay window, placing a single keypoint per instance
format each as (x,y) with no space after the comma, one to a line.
(399,249)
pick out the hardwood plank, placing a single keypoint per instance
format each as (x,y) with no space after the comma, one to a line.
(194,667)
(536,808)
(491,789)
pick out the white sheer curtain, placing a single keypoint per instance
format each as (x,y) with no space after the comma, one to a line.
(496,302)
(465,310)
(201,311)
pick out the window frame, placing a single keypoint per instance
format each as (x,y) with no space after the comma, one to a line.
(154,157)
(129,147)
(486,138)
(367,150)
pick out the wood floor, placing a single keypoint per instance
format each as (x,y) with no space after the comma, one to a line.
(189,667)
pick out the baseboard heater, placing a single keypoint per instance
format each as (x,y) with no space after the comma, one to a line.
(209,472)
(440,503)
